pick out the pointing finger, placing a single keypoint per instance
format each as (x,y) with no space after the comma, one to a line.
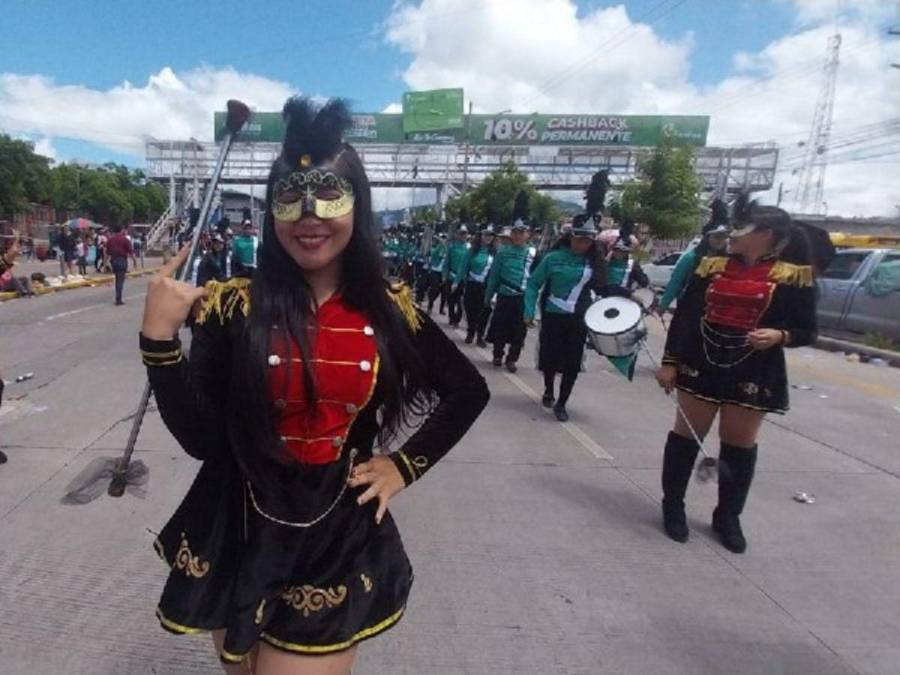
(169,269)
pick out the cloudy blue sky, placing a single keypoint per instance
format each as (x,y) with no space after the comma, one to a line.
(90,80)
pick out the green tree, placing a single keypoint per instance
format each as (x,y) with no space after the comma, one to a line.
(666,196)
(492,200)
(24,176)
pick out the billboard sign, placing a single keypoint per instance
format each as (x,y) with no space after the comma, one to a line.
(436,110)
(502,130)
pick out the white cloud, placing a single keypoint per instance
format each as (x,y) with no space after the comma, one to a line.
(44,146)
(540,55)
(822,11)
(169,105)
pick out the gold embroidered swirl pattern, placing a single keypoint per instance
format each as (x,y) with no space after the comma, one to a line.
(189,563)
(307,599)
(366,581)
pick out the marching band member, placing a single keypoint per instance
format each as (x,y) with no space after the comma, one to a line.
(725,356)
(453,274)
(569,272)
(436,261)
(508,279)
(475,272)
(283,546)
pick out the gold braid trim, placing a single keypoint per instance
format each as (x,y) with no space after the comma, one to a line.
(402,295)
(710,265)
(224,297)
(793,275)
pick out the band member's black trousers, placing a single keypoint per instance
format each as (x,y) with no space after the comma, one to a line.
(565,386)
(508,327)
(435,288)
(454,304)
(477,314)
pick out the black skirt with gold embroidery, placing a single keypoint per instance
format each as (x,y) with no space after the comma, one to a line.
(716,362)
(310,590)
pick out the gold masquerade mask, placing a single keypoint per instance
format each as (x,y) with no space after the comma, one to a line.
(317,191)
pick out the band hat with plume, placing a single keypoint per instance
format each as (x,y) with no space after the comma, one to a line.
(519,224)
(711,229)
(583,226)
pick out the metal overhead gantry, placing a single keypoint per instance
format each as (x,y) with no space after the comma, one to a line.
(722,169)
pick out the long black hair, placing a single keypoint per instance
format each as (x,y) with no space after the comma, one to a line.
(283,307)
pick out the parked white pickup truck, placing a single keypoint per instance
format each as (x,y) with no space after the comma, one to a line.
(859,292)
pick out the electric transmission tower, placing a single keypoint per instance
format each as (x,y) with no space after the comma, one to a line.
(812,173)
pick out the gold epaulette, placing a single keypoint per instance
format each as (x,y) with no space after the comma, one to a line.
(402,294)
(224,297)
(791,274)
(710,265)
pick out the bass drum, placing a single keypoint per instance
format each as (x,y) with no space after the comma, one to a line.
(616,326)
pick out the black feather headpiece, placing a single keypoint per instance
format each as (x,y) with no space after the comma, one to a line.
(596,192)
(520,207)
(313,130)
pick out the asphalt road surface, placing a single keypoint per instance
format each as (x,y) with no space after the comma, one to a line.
(537,545)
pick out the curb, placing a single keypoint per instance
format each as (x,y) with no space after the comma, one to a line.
(836,345)
(81,283)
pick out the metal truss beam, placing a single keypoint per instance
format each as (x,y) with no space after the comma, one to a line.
(725,169)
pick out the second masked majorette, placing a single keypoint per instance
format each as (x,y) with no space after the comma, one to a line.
(725,355)
(569,274)
(475,273)
(283,544)
(507,280)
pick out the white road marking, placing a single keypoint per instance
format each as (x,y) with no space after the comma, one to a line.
(85,309)
(571,428)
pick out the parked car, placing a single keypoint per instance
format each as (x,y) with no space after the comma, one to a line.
(859,292)
(660,270)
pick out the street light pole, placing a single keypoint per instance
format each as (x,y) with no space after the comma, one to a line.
(465,183)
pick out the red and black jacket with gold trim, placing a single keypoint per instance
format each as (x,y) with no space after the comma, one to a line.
(733,298)
(192,391)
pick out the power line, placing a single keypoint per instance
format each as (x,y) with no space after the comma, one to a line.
(577,67)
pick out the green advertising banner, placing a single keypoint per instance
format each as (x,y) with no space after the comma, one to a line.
(563,130)
(432,110)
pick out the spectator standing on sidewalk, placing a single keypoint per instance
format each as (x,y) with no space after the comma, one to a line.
(82,252)
(100,262)
(65,244)
(119,249)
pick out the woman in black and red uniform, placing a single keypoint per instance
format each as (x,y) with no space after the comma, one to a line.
(283,546)
(725,355)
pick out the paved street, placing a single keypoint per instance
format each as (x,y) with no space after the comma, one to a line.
(537,546)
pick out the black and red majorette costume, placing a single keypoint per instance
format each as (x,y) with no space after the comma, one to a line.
(708,343)
(280,551)
(726,300)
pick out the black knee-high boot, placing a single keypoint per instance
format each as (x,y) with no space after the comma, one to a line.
(736,468)
(678,464)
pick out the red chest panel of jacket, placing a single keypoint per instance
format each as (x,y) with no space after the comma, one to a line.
(740,295)
(345,367)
